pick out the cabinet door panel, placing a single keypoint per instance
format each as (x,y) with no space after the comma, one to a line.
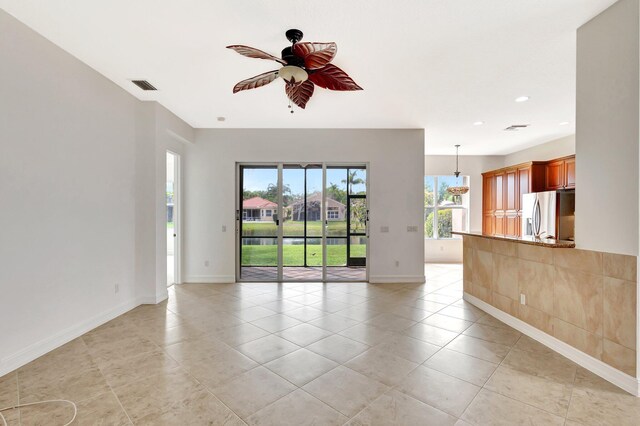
(487,193)
(511,226)
(555,175)
(570,173)
(523,185)
(499,226)
(511,190)
(499,191)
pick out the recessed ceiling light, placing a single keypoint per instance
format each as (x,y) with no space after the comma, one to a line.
(221,118)
(563,123)
(522,99)
(478,123)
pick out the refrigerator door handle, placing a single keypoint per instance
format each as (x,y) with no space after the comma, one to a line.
(536,218)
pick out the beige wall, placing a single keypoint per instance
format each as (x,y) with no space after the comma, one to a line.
(584,298)
(607,136)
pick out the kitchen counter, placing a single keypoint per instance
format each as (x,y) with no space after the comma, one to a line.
(542,242)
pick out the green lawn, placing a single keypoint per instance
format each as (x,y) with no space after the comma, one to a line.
(294,228)
(293,255)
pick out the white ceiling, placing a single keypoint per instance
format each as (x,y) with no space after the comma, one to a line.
(433,64)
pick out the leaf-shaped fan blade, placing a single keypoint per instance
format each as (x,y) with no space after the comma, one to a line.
(315,55)
(333,78)
(257,81)
(299,93)
(252,52)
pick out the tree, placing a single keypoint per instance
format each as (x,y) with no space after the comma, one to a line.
(336,193)
(352,179)
(270,194)
(358,215)
(444,224)
(443,194)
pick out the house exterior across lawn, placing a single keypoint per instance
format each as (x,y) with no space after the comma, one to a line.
(258,208)
(335,209)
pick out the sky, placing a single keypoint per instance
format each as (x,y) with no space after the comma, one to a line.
(259,179)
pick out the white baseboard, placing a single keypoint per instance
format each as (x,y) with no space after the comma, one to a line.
(622,380)
(209,279)
(152,300)
(385,279)
(37,349)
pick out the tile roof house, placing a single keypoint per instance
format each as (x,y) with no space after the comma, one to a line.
(258,208)
(335,209)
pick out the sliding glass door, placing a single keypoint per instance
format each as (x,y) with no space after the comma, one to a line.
(302,222)
(258,224)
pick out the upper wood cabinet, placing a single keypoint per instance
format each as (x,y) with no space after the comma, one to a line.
(554,175)
(561,174)
(570,172)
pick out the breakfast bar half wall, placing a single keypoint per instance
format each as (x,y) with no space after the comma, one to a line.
(580,303)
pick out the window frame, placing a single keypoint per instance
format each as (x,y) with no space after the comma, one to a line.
(436,207)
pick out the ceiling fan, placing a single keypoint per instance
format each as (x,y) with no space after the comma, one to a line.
(305,65)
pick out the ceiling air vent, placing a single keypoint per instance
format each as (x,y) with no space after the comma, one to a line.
(143,84)
(516,127)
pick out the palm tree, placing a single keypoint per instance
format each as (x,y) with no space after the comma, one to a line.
(352,179)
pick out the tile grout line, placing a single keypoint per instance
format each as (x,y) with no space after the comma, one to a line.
(514,399)
(18,395)
(205,387)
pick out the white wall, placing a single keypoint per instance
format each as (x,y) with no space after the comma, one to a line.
(174,135)
(607,136)
(472,166)
(547,151)
(77,178)
(396,192)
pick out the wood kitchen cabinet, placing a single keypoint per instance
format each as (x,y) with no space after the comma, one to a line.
(502,195)
(502,191)
(561,174)
(570,172)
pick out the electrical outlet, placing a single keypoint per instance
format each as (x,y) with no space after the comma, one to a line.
(523,299)
(397,263)
(412,228)
(224,228)
(116,288)
(206,263)
(384,229)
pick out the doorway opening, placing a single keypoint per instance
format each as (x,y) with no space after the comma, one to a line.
(173,217)
(302,222)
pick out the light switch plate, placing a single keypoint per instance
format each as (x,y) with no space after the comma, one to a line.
(412,228)
(384,229)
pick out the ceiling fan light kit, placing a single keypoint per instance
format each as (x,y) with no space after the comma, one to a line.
(305,65)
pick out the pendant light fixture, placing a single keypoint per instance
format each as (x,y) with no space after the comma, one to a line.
(457,190)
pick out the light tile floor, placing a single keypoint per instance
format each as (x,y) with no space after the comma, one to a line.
(308,353)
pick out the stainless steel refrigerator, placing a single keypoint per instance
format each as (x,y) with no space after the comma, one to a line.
(549,214)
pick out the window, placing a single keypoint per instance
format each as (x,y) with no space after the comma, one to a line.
(332,213)
(267,213)
(444,212)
